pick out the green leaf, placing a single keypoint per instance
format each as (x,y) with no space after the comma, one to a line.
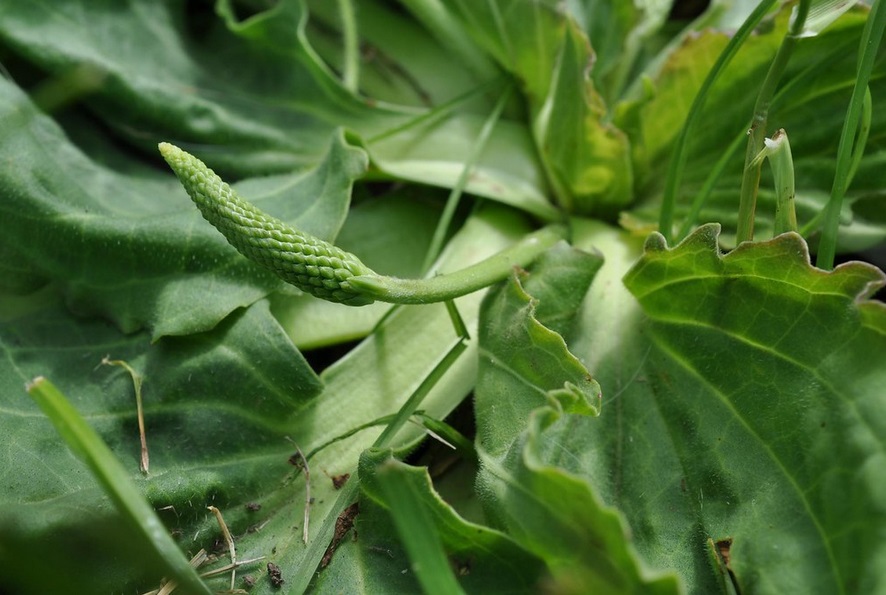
(588,158)
(250,96)
(524,359)
(557,516)
(81,224)
(746,408)
(585,156)
(188,76)
(813,348)
(527,377)
(617,31)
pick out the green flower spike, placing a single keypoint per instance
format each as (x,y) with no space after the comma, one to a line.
(311,264)
(322,269)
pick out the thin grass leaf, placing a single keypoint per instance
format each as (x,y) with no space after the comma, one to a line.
(443,431)
(457,190)
(870,43)
(678,161)
(417,530)
(782,163)
(778,151)
(750,181)
(89,447)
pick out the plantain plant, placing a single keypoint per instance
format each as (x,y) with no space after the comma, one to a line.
(478,297)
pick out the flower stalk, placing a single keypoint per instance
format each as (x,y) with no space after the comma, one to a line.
(324,270)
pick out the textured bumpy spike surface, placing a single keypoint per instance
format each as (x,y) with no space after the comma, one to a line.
(311,264)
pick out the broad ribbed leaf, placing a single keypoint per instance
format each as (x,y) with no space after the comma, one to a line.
(773,372)
(587,156)
(191,77)
(558,516)
(539,43)
(527,378)
(742,412)
(523,363)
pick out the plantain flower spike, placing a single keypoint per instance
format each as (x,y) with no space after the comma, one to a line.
(307,262)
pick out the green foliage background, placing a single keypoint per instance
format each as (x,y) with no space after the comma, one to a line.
(647,418)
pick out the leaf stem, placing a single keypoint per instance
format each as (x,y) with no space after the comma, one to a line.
(678,161)
(750,180)
(850,138)
(379,421)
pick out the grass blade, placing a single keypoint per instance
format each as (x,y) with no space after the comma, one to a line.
(89,447)
(782,163)
(457,190)
(678,161)
(870,43)
(750,181)
(417,531)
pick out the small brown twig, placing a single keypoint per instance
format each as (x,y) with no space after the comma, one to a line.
(229,540)
(198,560)
(137,380)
